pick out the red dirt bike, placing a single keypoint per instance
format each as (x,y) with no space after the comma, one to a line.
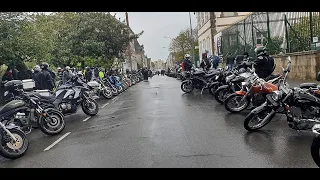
(253,91)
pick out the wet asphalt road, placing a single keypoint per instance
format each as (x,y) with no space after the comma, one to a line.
(154,124)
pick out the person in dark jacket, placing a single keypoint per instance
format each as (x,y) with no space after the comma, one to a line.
(88,74)
(263,64)
(46,77)
(66,75)
(187,63)
(230,61)
(205,64)
(36,76)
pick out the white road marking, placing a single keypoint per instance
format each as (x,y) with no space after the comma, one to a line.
(57,141)
(104,105)
(157,91)
(114,99)
(86,119)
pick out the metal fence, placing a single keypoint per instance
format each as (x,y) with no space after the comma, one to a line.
(284,32)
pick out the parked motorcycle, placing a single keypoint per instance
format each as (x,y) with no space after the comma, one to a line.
(98,88)
(114,89)
(69,96)
(253,92)
(199,79)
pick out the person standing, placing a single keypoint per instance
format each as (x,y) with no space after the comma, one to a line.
(36,76)
(66,75)
(215,61)
(88,74)
(46,77)
(8,76)
(205,64)
(230,61)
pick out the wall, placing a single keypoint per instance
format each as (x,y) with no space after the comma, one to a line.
(304,65)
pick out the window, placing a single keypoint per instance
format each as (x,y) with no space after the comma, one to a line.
(228,14)
(261,37)
(200,46)
(204,45)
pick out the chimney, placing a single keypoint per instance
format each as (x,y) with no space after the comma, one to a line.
(127,19)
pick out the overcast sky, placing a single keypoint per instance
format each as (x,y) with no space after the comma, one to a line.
(156,25)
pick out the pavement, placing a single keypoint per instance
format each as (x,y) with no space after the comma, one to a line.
(155,125)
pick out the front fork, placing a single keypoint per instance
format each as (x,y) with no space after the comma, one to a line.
(8,132)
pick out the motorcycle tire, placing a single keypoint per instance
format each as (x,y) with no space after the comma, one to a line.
(218,93)
(22,145)
(115,91)
(183,87)
(87,111)
(235,110)
(58,121)
(252,115)
(315,149)
(106,93)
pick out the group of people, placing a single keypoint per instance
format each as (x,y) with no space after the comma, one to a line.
(263,63)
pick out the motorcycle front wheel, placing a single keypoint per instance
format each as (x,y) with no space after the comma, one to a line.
(14,150)
(221,94)
(55,124)
(107,93)
(90,107)
(315,150)
(233,103)
(255,121)
(187,86)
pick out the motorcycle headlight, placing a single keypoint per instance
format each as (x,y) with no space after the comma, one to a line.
(276,95)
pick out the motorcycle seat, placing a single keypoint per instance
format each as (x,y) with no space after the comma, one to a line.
(198,72)
(272,76)
(308,85)
(50,98)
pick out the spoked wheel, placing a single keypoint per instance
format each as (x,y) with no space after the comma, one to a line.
(315,150)
(13,149)
(52,123)
(235,103)
(90,107)
(187,86)
(255,121)
(107,93)
(221,94)
(115,91)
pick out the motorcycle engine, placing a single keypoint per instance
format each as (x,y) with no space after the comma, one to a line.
(303,117)
(198,84)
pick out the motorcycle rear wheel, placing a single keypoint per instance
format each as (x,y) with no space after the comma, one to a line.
(18,149)
(221,94)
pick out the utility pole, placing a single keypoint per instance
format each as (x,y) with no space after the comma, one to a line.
(129,49)
(192,40)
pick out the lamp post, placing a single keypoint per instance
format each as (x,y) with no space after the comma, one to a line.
(192,40)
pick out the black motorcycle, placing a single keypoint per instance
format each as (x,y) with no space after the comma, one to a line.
(199,80)
(18,112)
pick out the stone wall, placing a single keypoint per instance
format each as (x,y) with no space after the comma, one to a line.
(304,65)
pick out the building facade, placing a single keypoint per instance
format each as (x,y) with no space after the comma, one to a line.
(211,23)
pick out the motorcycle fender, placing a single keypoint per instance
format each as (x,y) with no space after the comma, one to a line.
(53,109)
(223,87)
(259,108)
(12,126)
(213,84)
(185,81)
(242,93)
